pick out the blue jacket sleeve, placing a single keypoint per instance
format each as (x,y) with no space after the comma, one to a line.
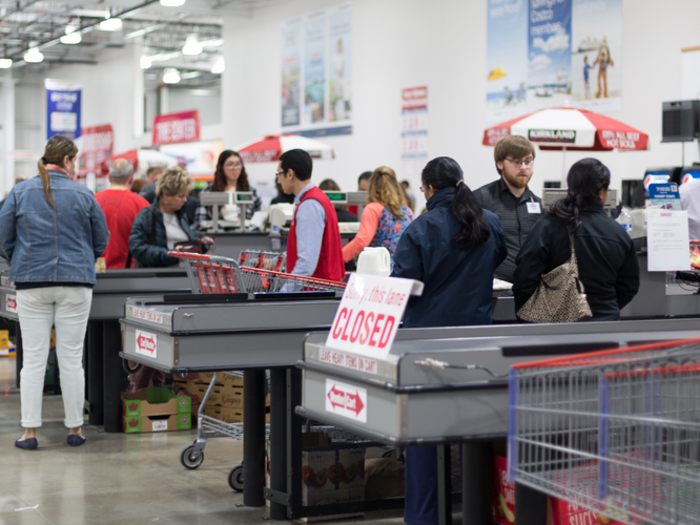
(408,262)
(8,226)
(148,255)
(100,231)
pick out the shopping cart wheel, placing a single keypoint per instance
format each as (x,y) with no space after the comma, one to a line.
(235,478)
(188,458)
(128,369)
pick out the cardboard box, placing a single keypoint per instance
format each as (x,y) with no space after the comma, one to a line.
(136,405)
(503,494)
(222,395)
(563,512)
(138,424)
(333,474)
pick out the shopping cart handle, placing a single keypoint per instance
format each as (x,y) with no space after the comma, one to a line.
(187,255)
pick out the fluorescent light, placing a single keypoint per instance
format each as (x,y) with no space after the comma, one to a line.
(172,3)
(72,35)
(33,55)
(192,47)
(5,63)
(145,62)
(111,24)
(171,76)
(218,66)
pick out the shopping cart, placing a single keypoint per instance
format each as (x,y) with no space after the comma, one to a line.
(616,432)
(212,274)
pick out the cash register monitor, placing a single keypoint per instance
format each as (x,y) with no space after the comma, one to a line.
(690,173)
(632,194)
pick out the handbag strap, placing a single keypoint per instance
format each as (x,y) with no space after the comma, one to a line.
(573,249)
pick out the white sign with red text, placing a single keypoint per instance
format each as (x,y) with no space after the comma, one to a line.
(146,343)
(369,315)
(354,362)
(11,303)
(147,315)
(346,400)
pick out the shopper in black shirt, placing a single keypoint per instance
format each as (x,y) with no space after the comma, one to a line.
(510,197)
(607,261)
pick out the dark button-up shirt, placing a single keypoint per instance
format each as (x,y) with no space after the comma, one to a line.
(516,220)
(607,261)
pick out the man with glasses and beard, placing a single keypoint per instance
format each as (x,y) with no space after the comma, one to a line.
(510,198)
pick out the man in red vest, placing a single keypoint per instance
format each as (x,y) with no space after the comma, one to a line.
(313,245)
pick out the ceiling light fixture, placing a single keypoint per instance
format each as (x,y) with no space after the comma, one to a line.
(192,47)
(172,3)
(33,55)
(145,62)
(111,24)
(171,75)
(219,66)
(5,63)
(72,35)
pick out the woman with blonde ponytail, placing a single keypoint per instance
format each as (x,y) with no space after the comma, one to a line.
(51,231)
(384,218)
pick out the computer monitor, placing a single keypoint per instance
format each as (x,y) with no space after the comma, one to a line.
(656,176)
(632,193)
(552,184)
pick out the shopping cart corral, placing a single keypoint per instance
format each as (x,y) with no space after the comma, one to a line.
(616,432)
(224,327)
(446,385)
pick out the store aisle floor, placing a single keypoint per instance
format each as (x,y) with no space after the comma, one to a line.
(113,478)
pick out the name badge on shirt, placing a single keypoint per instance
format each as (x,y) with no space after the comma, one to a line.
(533,207)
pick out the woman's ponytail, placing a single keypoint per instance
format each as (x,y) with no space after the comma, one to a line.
(444,172)
(57,149)
(585,180)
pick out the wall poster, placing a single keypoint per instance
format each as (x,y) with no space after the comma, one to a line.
(414,131)
(63,108)
(316,63)
(546,53)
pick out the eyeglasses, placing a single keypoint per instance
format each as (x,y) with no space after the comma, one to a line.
(525,163)
(279,174)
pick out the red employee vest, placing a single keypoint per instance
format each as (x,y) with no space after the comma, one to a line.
(330,260)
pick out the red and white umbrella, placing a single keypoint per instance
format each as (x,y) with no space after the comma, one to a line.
(269,148)
(570,129)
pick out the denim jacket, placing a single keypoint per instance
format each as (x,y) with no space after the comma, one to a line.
(155,255)
(47,245)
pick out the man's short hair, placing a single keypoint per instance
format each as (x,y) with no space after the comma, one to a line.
(299,161)
(154,169)
(365,175)
(120,172)
(512,146)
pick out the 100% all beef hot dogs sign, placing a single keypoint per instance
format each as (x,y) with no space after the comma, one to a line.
(369,315)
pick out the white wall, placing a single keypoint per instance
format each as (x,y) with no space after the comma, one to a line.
(442,43)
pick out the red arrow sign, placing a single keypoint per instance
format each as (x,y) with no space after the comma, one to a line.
(354,402)
(336,397)
(147,344)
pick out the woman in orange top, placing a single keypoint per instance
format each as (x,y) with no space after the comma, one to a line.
(384,218)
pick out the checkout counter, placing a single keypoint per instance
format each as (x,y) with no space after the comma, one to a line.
(233,237)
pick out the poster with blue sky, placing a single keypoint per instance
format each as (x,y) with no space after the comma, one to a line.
(340,56)
(545,53)
(291,73)
(314,68)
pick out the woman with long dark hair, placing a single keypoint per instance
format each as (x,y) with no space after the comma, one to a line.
(454,250)
(607,261)
(51,231)
(230,176)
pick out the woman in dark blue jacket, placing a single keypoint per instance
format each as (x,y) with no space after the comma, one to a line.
(160,227)
(453,249)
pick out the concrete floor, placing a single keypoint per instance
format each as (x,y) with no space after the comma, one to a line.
(115,478)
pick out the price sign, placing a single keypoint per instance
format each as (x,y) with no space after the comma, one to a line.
(369,314)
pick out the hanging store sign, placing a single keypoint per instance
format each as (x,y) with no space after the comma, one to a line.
(98,144)
(369,315)
(63,107)
(175,128)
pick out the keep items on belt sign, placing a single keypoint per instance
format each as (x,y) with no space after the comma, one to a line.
(369,314)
